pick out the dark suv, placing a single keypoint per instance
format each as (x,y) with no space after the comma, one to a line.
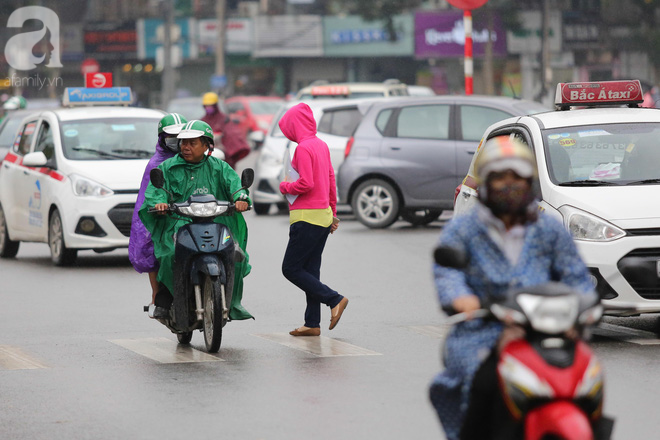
(408,155)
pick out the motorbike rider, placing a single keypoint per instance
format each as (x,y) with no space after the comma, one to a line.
(13,103)
(193,171)
(140,246)
(234,144)
(509,243)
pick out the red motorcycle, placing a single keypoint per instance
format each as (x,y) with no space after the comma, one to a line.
(550,381)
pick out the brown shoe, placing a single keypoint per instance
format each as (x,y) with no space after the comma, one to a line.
(337,311)
(307,332)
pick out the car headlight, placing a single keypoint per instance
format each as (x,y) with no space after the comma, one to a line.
(84,187)
(208,209)
(552,315)
(588,227)
(268,158)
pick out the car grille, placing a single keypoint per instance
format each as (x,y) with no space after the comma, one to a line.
(640,269)
(121,216)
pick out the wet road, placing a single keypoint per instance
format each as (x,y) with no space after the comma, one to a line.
(80,360)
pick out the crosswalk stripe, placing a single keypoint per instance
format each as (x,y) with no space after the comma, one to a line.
(626,334)
(13,358)
(165,351)
(320,346)
(434,331)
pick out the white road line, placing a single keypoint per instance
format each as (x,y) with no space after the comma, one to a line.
(165,351)
(434,331)
(317,345)
(13,358)
(626,334)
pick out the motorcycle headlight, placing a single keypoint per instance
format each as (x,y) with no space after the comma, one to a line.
(208,209)
(588,227)
(551,315)
(83,187)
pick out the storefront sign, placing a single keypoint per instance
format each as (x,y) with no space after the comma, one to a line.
(442,35)
(353,36)
(528,38)
(111,41)
(238,36)
(288,36)
(151,36)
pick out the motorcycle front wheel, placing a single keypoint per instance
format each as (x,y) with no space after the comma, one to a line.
(212,299)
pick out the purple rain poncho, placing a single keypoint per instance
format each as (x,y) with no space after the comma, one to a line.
(140,246)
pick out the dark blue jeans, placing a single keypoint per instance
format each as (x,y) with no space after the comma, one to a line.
(302,266)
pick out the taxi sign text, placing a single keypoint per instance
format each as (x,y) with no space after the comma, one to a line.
(594,93)
(330,90)
(99,96)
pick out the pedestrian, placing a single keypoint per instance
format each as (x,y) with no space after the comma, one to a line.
(312,217)
(509,243)
(140,246)
(227,134)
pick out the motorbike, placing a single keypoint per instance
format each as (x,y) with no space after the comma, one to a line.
(204,258)
(550,381)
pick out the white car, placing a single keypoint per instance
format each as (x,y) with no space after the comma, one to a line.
(336,120)
(72,177)
(599,174)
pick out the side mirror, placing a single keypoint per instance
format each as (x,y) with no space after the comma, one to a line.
(157,178)
(450,257)
(36,159)
(247,178)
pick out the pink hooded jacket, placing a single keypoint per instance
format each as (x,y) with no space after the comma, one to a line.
(316,187)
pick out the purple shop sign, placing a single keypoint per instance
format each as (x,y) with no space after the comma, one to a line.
(443,35)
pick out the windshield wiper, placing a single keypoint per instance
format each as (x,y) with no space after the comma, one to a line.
(132,151)
(645,181)
(98,152)
(589,182)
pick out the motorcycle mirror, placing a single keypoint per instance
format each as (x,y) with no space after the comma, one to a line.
(157,178)
(450,257)
(247,178)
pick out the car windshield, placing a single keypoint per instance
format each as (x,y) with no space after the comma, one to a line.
(109,139)
(614,154)
(265,107)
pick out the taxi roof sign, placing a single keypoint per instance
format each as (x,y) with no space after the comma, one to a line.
(330,90)
(598,93)
(74,96)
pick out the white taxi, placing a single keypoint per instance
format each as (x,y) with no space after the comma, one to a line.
(72,176)
(598,157)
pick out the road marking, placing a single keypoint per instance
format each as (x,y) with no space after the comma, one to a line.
(626,334)
(317,345)
(13,358)
(165,351)
(434,331)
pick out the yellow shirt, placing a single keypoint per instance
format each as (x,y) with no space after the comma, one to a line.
(318,217)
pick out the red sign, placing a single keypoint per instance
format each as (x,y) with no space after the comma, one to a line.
(89,66)
(467,4)
(604,92)
(330,90)
(98,80)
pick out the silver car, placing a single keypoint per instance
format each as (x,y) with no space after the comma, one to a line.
(408,155)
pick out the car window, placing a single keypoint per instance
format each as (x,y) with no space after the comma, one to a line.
(123,138)
(233,107)
(618,153)
(475,120)
(264,107)
(45,141)
(8,133)
(26,136)
(424,122)
(382,120)
(340,122)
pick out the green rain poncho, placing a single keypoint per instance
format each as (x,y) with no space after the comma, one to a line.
(183,179)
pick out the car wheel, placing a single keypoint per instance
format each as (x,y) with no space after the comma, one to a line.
(8,248)
(59,253)
(261,208)
(376,204)
(420,217)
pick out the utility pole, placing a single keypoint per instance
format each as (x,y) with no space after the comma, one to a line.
(220,7)
(546,70)
(167,78)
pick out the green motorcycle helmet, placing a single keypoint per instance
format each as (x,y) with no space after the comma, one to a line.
(171,124)
(15,103)
(195,129)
